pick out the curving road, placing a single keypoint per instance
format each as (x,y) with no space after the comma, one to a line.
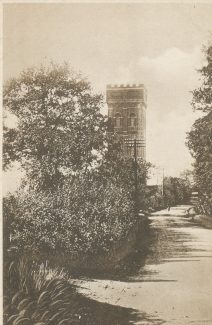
(167,279)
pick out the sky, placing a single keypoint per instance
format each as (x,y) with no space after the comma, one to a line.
(157,44)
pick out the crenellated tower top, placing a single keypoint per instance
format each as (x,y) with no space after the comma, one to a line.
(125,86)
(126,93)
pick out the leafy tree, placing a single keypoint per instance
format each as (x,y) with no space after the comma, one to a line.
(176,191)
(188,177)
(200,137)
(80,187)
(60,130)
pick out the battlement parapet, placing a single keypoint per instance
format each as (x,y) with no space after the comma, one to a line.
(119,86)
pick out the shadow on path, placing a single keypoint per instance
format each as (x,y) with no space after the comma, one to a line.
(162,241)
(97,313)
(167,240)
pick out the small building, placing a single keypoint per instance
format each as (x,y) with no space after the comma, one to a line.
(127,114)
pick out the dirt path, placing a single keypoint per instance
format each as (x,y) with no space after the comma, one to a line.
(168,282)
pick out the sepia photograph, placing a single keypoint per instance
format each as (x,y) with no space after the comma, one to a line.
(107,163)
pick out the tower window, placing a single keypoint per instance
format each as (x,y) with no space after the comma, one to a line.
(132,120)
(118,120)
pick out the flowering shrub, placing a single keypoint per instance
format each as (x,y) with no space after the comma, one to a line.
(86,215)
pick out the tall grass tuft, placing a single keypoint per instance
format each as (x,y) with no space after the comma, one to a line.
(37,295)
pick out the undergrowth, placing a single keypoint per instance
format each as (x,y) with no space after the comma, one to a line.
(37,295)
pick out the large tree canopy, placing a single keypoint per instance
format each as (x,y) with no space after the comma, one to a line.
(202,96)
(200,136)
(60,129)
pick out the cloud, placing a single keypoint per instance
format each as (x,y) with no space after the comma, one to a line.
(171,64)
(169,79)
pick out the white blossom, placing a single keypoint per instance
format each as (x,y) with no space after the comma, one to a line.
(24,88)
(37,88)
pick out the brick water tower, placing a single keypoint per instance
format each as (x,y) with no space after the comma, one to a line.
(127,113)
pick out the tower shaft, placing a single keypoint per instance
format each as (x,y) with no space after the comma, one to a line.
(127,113)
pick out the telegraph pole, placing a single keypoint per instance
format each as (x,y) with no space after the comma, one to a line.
(134,143)
(162,187)
(162,183)
(136,175)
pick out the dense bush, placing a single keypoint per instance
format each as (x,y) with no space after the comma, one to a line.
(85,215)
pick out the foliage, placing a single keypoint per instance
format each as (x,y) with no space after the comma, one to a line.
(200,144)
(154,198)
(78,196)
(31,297)
(124,171)
(86,216)
(38,295)
(176,191)
(199,139)
(10,209)
(202,96)
(60,129)
(10,154)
